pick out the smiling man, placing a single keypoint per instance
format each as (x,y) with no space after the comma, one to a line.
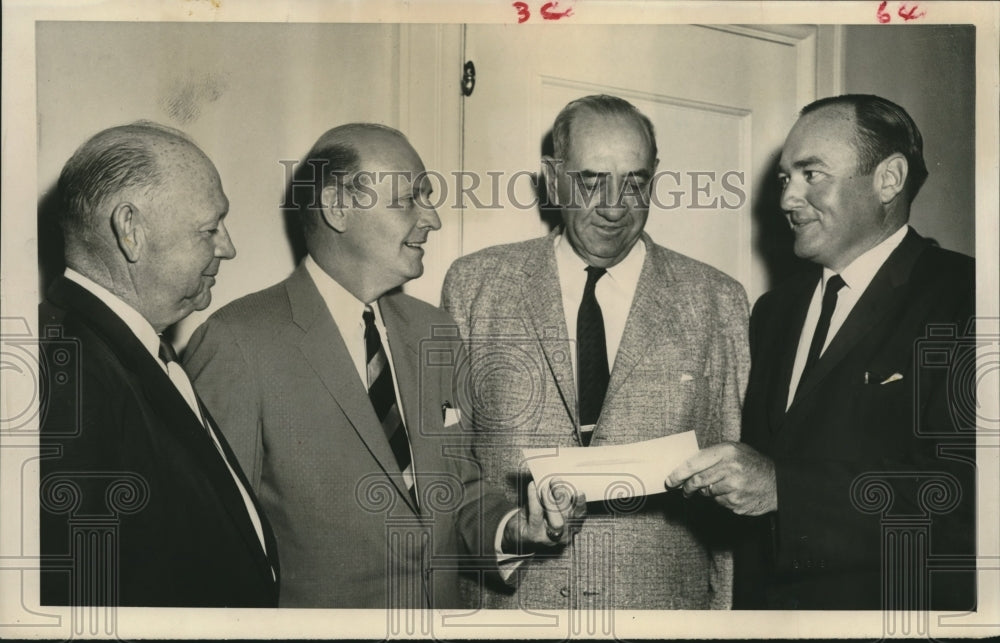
(336,390)
(143,503)
(842,406)
(596,335)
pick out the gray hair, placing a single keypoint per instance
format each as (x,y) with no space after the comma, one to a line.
(112,162)
(600,105)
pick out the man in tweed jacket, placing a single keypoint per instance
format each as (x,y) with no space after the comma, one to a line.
(676,336)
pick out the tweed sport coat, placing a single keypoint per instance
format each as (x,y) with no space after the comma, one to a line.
(682,365)
(275,371)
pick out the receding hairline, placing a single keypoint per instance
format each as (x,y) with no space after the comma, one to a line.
(634,117)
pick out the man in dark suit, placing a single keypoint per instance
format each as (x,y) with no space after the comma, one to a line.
(596,335)
(849,436)
(143,502)
(336,390)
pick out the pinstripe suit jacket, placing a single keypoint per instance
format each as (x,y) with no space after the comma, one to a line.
(682,365)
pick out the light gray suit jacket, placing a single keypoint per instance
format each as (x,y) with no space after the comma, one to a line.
(682,365)
(274,370)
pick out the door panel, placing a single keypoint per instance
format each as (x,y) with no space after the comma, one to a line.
(721,100)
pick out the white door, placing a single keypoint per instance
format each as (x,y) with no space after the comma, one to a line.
(721,100)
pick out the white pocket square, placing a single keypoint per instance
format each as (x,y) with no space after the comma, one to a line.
(452,416)
(686,378)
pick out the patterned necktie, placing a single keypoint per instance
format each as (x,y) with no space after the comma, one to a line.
(833,286)
(383,398)
(592,362)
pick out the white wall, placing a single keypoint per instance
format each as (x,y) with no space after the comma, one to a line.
(249,94)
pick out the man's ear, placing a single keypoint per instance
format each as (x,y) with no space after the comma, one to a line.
(128,231)
(890,177)
(334,213)
(550,173)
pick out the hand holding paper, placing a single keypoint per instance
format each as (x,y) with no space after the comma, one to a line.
(613,472)
(552,518)
(734,474)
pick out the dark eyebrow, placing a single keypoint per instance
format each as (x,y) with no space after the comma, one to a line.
(809,160)
(591,174)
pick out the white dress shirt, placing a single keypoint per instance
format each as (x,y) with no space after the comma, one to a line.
(857,276)
(614,292)
(347,311)
(150,340)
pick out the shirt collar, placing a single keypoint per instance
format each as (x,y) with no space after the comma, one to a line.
(345,308)
(625,271)
(138,324)
(860,272)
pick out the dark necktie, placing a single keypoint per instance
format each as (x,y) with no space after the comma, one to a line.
(167,352)
(383,398)
(833,286)
(592,361)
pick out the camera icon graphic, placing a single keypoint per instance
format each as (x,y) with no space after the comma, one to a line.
(38,372)
(499,380)
(969,361)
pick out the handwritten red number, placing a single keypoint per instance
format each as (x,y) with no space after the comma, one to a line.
(883,15)
(523,13)
(549,12)
(910,14)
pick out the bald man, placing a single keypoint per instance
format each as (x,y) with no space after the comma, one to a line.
(336,391)
(142,501)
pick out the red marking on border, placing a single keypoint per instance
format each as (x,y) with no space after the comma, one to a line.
(523,12)
(910,14)
(549,12)
(881,14)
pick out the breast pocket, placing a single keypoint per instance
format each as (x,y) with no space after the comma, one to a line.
(663,399)
(686,403)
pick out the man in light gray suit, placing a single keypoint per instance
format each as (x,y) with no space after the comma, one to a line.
(335,390)
(595,335)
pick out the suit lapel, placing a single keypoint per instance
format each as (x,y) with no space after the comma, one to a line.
(169,407)
(542,297)
(652,319)
(881,297)
(270,559)
(323,348)
(399,328)
(787,329)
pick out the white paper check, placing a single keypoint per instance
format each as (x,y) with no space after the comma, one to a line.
(613,472)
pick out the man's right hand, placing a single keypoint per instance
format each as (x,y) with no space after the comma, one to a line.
(551,519)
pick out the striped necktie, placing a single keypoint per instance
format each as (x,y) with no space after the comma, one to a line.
(383,397)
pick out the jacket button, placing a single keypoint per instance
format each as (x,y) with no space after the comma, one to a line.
(564,591)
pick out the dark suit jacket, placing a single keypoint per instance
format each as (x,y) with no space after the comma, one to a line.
(126,464)
(870,437)
(275,370)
